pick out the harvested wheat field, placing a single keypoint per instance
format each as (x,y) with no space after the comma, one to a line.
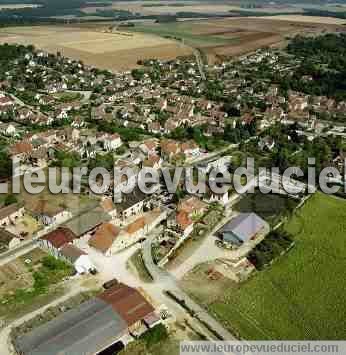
(116,50)
(308,19)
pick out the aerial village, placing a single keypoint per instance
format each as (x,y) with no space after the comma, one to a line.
(118,264)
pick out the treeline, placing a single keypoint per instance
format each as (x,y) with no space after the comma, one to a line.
(47,8)
(325,13)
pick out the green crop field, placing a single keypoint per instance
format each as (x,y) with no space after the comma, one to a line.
(182,30)
(302,296)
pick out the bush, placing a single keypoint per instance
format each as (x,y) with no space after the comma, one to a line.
(10,199)
(155,335)
(270,248)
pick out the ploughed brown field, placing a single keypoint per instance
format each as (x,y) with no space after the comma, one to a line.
(248,34)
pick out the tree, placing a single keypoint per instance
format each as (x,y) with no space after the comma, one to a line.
(10,199)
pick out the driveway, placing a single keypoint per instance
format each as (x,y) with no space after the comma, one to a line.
(167,282)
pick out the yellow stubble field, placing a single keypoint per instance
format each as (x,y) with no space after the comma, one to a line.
(115,50)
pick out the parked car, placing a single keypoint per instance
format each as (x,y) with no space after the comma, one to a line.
(93,271)
(110,284)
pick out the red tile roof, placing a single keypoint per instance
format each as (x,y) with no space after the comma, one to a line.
(104,237)
(183,220)
(60,237)
(128,303)
(21,147)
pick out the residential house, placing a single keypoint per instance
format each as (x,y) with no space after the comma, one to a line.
(104,237)
(220,197)
(190,149)
(5,101)
(108,206)
(8,240)
(131,205)
(9,214)
(192,205)
(46,213)
(220,164)
(149,147)
(184,223)
(266,143)
(131,306)
(169,148)
(110,239)
(77,257)
(56,239)
(112,142)
(21,150)
(153,161)
(87,222)
(10,128)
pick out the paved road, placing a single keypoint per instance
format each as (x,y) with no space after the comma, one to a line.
(167,282)
(17,252)
(200,64)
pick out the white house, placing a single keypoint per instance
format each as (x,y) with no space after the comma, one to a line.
(220,164)
(10,213)
(222,198)
(9,129)
(77,257)
(48,214)
(111,141)
(8,240)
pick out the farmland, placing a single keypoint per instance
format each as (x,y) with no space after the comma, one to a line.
(17,6)
(114,50)
(104,46)
(302,295)
(197,7)
(232,36)
(307,19)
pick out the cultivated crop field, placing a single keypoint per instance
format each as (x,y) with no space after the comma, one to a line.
(172,7)
(17,6)
(115,50)
(302,295)
(232,36)
(308,19)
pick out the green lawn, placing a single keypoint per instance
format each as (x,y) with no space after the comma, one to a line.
(302,296)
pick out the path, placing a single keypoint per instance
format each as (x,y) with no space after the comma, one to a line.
(200,64)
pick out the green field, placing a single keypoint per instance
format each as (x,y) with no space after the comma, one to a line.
(302,296)
(183,30)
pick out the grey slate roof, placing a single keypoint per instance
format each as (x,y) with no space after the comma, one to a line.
(131,199)
(243,227)
(87,221)
(84,330)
